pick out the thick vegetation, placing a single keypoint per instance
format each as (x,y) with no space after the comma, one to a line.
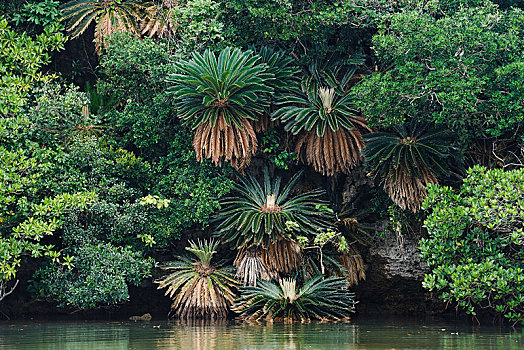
(475,245)
(463,71)
(129,125)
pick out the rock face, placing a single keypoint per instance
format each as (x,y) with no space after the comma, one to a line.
(355,185)
(394,278)
(401,257)
(394,269)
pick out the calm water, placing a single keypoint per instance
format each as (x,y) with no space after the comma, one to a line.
(225,336)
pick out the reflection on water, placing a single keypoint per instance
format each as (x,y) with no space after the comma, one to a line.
(230,335)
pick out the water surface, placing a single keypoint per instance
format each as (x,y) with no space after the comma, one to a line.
(359,334)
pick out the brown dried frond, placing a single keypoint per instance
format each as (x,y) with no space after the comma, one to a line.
(159,20)
(223,142)
(350,223)
(200,298)
(250,267)
(263,123)
(335,152)
(112,22)
(408,191)
(281,257)
(352,261)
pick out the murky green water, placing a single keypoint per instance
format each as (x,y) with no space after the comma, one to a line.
(231,335)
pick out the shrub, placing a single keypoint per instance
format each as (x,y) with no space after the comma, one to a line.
(135,68)
(258,222)
(22,58)
(475,245)
(98,276)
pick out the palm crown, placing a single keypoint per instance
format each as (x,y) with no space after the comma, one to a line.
(111,16)
(408,159)
(318,108)
(231,86)
(199,289)
(260,214)
(219,96)
(328,126)
(318,298)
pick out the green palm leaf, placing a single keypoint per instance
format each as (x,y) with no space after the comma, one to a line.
(408,159)
(318,298)
(232,83)
(259,214)
(199,289)
(111,16)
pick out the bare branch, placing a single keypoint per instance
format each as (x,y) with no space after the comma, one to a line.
(4,292)
(519,158)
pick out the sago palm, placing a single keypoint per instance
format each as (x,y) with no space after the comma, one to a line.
(321,299)
(258,220)
(218,96)
(328,125)
(259,214)
(283,67)
(110,16)
(408,159)
(160,21)
(199,289)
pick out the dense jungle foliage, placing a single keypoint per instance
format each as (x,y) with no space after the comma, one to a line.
(135,132)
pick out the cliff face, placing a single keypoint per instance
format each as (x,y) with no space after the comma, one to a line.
(394,279)
(394,269)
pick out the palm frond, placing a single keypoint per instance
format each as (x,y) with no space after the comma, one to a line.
(159,21)
(334,152)
(353,267)
(282,65)
(409,159)
(218,95)
(258,214)
(281,257)
(224,142)
(318,298)
(250,267)
(111,16)
(203,250)
(198,289)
